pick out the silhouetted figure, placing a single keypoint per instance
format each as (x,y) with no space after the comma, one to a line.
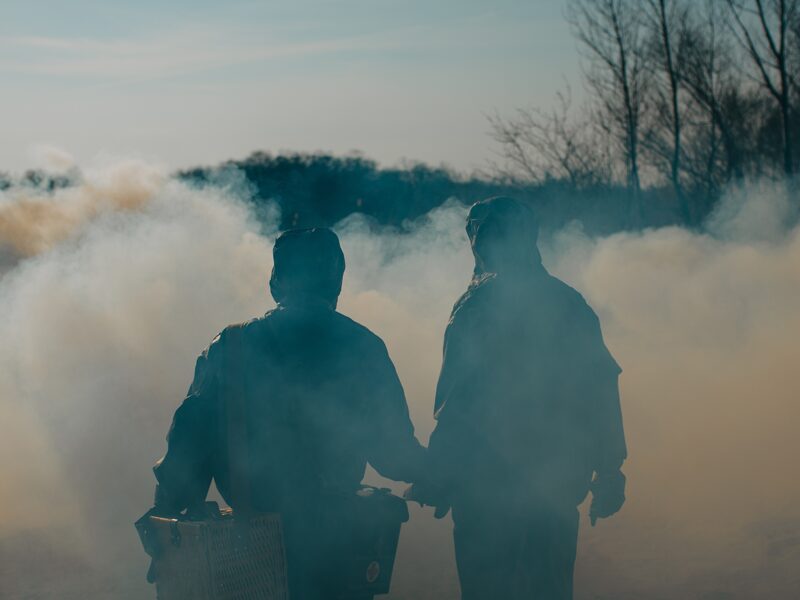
(322,397)
(527,411)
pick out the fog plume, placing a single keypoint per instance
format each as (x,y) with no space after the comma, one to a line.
(32,222)
(115,285)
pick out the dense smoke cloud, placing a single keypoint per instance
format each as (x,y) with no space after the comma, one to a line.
(106,306)
(705,327)
(32,222)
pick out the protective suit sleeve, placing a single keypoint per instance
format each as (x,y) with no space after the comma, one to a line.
(455,435)
(184,473)
(395,451)
(602,373)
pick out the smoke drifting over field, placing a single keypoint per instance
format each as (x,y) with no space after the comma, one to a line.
(109,290)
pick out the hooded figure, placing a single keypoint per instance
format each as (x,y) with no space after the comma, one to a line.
(322,400)
(528,417)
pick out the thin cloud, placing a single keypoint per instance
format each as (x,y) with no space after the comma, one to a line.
(167,54)
(201,48)
(170,54)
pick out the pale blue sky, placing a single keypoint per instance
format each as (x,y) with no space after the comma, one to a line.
(197,82)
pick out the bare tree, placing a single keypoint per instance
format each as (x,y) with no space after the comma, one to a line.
(538,145)
(764,27)
(686,93)
(612,36)
(667,22)
(711,82)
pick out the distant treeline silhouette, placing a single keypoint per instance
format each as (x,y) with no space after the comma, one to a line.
(321,190)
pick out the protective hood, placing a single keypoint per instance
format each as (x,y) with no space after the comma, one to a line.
(503,234)
(308,267)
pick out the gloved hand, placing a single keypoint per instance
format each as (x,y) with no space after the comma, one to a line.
(608,494)
(427,494)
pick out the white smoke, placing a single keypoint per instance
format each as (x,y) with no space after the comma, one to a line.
(105,307)
(32,222)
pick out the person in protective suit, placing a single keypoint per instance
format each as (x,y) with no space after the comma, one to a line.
(323,399)
(528,417)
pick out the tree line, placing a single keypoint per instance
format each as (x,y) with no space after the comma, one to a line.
(321,189)
(684,95)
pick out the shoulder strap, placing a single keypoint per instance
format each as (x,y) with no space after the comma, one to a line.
(237,417)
